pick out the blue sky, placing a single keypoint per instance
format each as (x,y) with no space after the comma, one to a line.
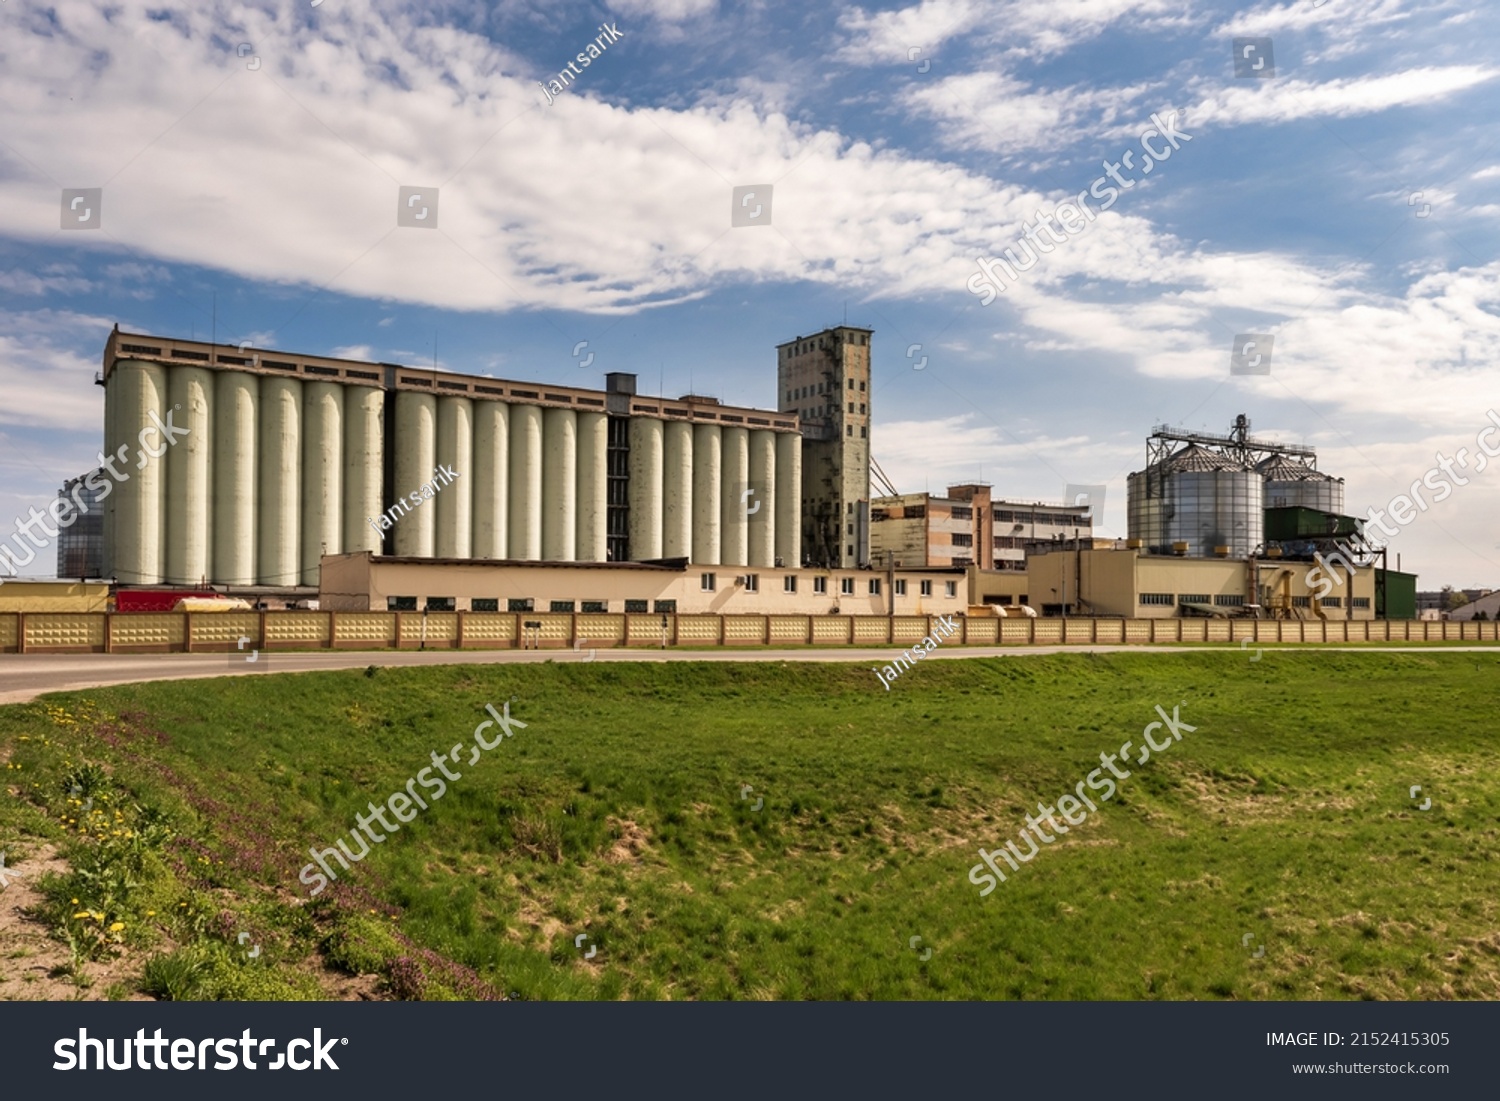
(251,154)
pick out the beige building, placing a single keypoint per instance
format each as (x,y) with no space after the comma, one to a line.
(361,582)
(824,379)
(968,528)
(54,596)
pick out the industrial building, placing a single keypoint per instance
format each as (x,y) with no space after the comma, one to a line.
(289,457)
(80,544)
(968,528)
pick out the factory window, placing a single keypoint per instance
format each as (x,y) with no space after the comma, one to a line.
(1001,516)
(851,384)
(440,603)
(1000,598)
(1193,598)
(926,588)
(1360,601)
(1229,600)
(846,586)
(1022,599)
(1004,542)
(789,583)
(874,586)
(861,407)
(707,582)
(664,607)
(950,589)
(595,607)
(916,512)
(851,529)
(1023,518)
(635,607)
(1333,602)
(851,407)
(820,586)
(879,514)
(562,606)
(400,603)
(861,385)
(900,586)
(849,431)
(850,551)
(1301,601)
(515,605)
(1157,598)
(963,540)
(485,604)
(863,432)
(752,582)
(963,512)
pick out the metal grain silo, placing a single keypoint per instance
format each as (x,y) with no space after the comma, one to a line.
(1290,484)
(708,495)
(416,460)
(762,520)
(140,506)
(645,487)
(525,504)
(491,483)
(559,485)
(279,450)
(455,450)
(236,416)
(1198,497)
(593,487)
(364,472)
(677,491)
(733,522)
(322,475)
(789,498)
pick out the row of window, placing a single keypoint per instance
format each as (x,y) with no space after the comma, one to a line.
(514,604)
(1062,519)
(709,582)
(1222,600)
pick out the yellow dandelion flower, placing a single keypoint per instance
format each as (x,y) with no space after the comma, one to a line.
(83,914)
(117,926)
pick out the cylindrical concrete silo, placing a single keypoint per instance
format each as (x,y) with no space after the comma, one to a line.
(278,561)
(111,402)
(455,450)
(525,483)
(322,475)
(761,508)
(645,488)
(559,485)
(707,494)
(677,491)
(236,416)
(140,557)
(734,540)
(491,482)
(189,519)
(593,487)
(416,458)
(789,498)
(364,471)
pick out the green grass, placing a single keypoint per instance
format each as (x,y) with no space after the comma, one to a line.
(617,813)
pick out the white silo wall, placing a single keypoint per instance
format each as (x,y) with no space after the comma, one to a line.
(111,401)
(278,560)
(364,472)
(789,498)
(416,458)
(593,487)
(189,521)
(645,488)
(322,475)
(525,483)
(139,557)
(761,508)
(490,484)
(455,450)
(559,485)
(735,479)
(677,491)
(236,416)
(707,494)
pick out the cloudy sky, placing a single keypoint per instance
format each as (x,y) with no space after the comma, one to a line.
(250,158)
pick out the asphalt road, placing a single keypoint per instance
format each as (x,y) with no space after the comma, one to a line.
(23,677)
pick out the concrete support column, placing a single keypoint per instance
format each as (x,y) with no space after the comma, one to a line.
(559,485)
(733,518)
(707,494)
(593,487)
(491,483)
(455,450)
(526,483)
(646,435)
(677,491)
(416,459)
(789,498)
(760,509)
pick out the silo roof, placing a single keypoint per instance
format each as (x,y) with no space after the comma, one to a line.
(1281,468)
(1195,458)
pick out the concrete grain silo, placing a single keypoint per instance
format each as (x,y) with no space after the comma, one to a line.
(322,475)
(593,487)
(491,480)
(559,485)
(735,480)
(789,498)
(708,455)
(677,490)
(416,459)
(760,509)
(236,415)
(646,458)
(525,519)
(364,477)
(279,500)
(455,450)
(189,529)
(139,530)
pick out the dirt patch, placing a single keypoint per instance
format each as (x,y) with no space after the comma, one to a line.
(631,842)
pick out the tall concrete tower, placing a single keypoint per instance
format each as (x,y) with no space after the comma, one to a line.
(825,379)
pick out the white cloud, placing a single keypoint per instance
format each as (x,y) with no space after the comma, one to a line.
(1283,100)
(668,11)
